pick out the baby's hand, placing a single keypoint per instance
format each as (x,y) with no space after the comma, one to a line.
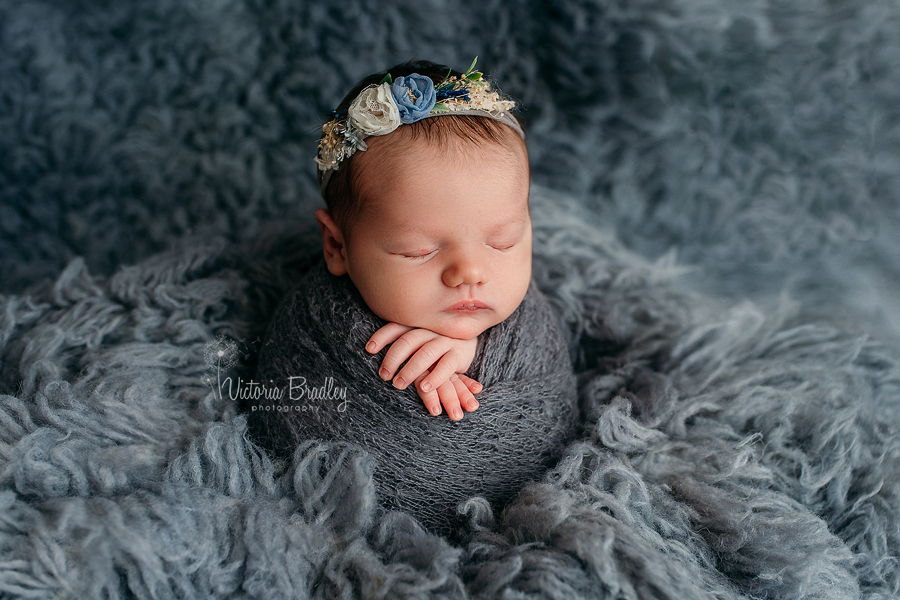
(435,364)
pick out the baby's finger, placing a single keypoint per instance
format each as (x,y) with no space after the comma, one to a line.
(466,399)
(431,400)
(450,400)
(420,362)
(384,336)
(400,351)
(441,373)
(470,383)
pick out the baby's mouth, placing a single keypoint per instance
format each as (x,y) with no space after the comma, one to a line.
(467,306)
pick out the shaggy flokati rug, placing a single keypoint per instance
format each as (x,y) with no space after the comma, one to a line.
(716,224)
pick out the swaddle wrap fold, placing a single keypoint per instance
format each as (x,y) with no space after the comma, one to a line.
(314,353)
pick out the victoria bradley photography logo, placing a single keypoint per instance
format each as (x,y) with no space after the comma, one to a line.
(223,353)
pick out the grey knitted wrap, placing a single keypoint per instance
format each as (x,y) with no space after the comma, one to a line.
(425,465)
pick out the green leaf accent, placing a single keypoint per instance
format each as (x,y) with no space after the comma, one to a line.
(439,107)
(444,80)
(472,66)
(386,79)
(474,76)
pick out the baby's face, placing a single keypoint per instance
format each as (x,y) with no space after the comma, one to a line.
(443,241)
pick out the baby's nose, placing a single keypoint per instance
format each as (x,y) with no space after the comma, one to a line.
(464,270)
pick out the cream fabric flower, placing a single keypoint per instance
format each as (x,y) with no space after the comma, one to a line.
(374,112)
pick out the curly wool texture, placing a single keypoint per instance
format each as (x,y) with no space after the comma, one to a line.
(723,452)
(727,452)
(424,465)
(755,137)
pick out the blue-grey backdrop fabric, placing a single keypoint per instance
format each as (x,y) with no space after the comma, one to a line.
(716,196)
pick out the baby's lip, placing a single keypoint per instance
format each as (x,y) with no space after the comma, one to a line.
(467,306)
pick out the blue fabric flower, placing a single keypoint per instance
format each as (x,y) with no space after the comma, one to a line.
(414,95)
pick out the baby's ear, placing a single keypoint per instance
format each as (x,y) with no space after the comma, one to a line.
(333,245)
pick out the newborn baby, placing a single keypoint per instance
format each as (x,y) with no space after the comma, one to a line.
(427,253)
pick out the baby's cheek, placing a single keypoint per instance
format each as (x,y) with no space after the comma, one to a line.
(520,288)
(404,309)
(379,300)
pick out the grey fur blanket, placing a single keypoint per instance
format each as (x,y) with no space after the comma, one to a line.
(314,355)
(722,453)
(715,203)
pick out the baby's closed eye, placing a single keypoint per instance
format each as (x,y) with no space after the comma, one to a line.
(419,255)
(501,245)
(505,238)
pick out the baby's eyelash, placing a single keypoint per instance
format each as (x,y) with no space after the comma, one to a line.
(418,256)
(502,247)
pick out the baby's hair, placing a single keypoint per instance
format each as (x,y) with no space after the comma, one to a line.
(342,194)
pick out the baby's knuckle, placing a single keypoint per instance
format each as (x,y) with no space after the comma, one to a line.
(430,353)
(405,343)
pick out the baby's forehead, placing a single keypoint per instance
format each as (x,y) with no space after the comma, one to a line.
(416,207)
(437,165)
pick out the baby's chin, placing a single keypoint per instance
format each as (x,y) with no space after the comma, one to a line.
(460,327)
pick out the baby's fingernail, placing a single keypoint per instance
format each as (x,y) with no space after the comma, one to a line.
(478,387)
(473,405)
(399,383)
(370,347)
(426,386)
(457,414)
(385,374)
(435,410)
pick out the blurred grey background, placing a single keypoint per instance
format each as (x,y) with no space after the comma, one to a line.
(757,140)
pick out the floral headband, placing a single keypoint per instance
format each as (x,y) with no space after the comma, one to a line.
(380,109)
